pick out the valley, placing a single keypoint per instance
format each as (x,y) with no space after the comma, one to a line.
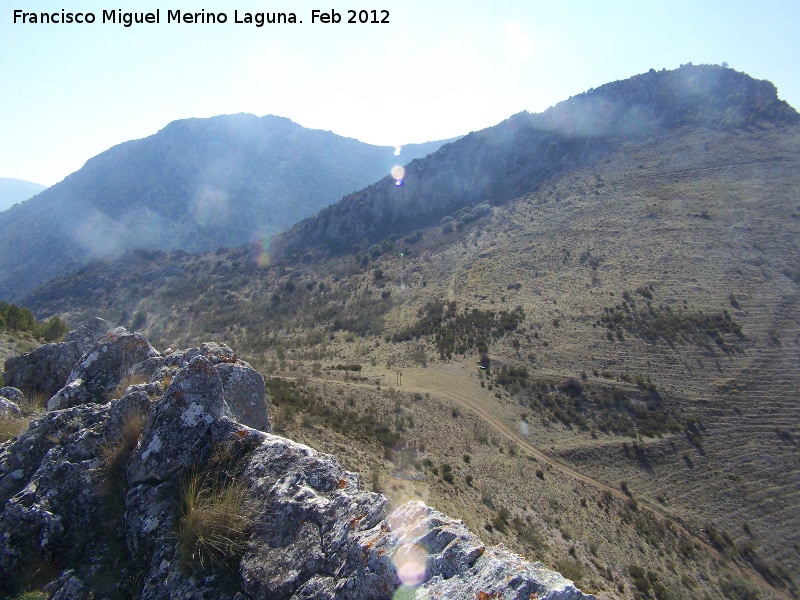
(637,425)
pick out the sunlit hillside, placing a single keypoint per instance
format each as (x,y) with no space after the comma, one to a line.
(600,373)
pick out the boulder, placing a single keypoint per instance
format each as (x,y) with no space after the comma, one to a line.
(9,409)
(245,394)
(103,368)
(46,369)
(13,394)
(178,430)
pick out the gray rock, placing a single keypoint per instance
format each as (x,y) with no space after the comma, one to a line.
(103,368)
(245,394)
(8,409)
(88,335)
(46,368)
(52,501)
(178,431)
(11,393)
(67,587)
(42,370)
(243,387)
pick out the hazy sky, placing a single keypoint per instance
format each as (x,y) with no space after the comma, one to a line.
(438,68)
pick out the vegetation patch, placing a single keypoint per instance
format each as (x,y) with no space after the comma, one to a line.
(291,398)
(458,333)
(652,323)
(607,408)
(16,318)
(215,515)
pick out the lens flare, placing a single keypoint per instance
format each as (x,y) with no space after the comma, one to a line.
(261,247)
(410,563)
(398,150)
(410,524)
(398,173)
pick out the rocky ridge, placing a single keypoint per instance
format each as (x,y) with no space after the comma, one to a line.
(89,508)
(511,159)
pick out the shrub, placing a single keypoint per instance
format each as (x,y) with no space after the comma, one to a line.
(570,568)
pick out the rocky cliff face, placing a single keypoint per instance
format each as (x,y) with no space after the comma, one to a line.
(112,493)
(509,160)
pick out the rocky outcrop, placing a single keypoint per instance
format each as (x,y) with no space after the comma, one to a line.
(99,371)
(45,370)
(102,499)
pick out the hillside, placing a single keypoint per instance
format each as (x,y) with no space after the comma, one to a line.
(637,426)
(197,185)
(514,157)
(16,190)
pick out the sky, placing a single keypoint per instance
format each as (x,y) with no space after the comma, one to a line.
(436,70)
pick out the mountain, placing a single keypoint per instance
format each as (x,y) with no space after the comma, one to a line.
(16,190)
(511,159)
(198,184)
(591,357)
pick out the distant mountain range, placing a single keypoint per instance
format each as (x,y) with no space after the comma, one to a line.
(17,190)
(197,185)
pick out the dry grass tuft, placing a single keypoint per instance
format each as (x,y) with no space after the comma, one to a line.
(214,521)
(31,408)
(116,454)
(10,427)
(128,380)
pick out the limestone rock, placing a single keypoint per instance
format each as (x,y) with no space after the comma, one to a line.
(8,409)
(243,387)
(87,335)
(13,394)
(245,394)
(10,398)
(178,430)
(103,368)
(46,368)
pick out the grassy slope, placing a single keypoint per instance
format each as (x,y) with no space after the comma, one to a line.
(704,218)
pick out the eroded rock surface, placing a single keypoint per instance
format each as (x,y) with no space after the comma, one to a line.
(93,506)
(46,369)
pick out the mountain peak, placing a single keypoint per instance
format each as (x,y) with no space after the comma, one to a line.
(511,159)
